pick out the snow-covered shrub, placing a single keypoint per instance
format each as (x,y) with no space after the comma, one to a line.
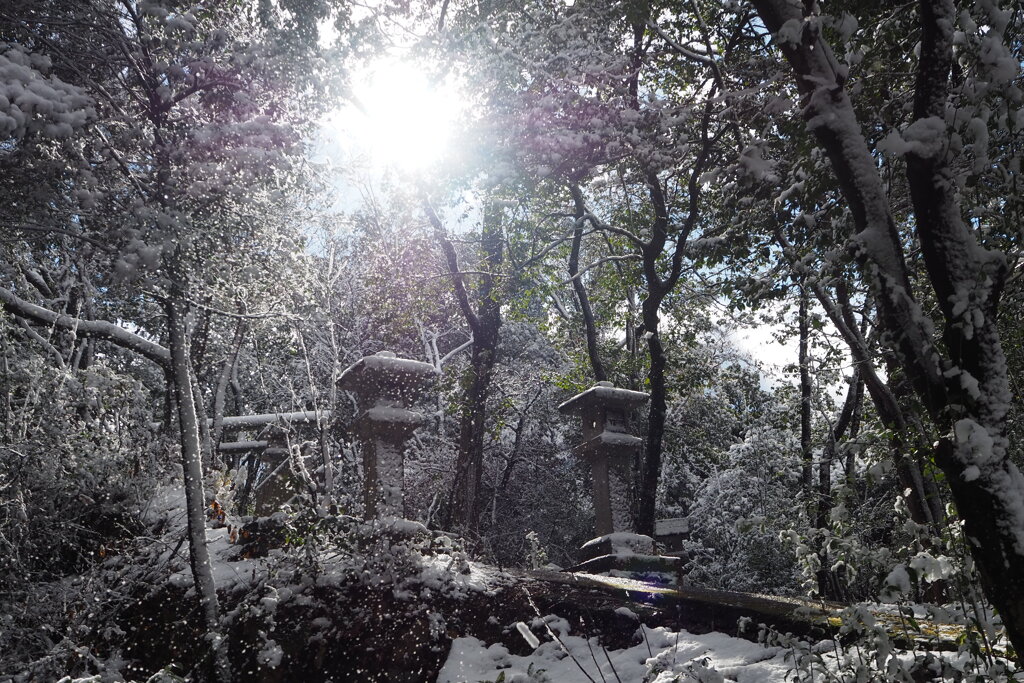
(362,586)
(739,512)
(78,450)
(75,454)
(871,645)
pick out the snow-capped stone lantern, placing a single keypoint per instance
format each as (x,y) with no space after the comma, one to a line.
(385,387)
(610,449)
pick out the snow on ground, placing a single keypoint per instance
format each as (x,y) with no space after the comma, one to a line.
(666,656)
(446,571)
(660,657)
(168,506)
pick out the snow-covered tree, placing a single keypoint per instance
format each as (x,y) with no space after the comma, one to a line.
(963,94)
(168,137)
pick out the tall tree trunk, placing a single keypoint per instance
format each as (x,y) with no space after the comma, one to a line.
(485,323)
(191,455)
(650,472)
(805,390)
(472,438)
(589,327)
(324,433)
(831,585)
(221,390)
(5,369)
(849,467)
(205,440)
(916,446)
(835,435)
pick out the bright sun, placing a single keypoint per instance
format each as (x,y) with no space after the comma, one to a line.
(400,119)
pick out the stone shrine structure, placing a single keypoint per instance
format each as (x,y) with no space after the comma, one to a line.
(610,449)
(385,387)
(278,487)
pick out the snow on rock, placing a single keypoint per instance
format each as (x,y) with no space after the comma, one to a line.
(626,612)
(455,576)
(624,543)
(672,656)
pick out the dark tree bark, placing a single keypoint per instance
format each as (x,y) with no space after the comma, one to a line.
(840,312)
(849,467)
(485,323)
(962,382)
(192,468)
(589,327)
(831,585)
(832,441)
(658,286)
(650,472)
(805,389)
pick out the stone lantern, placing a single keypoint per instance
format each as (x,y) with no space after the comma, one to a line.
(278,487)
(610,449)
(385,387)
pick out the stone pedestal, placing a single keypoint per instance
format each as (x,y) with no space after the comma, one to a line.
(610,449)
(278,486)
(385,389)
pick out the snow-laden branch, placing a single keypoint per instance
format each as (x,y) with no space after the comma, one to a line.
(601,261)
(536,258)
(263,419)
(560,306)
(452,259)
(97,329)
(38,339)
(601,225)
(461,347)
(675,45)
(29,227)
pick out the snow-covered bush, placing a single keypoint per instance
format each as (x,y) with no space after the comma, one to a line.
(870,645)
(739,512)
(76,454)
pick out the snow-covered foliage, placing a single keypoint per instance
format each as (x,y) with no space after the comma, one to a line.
(864,651)
(660,655)
(74,462)
(31,101)
(740,512)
